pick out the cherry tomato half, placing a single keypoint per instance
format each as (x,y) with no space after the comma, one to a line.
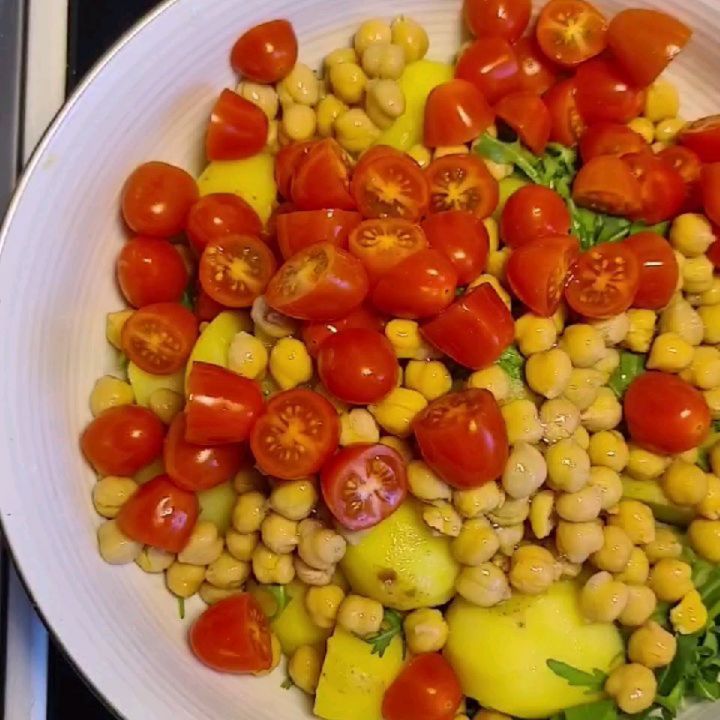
(297,434)
(662,189)
(526,113)
(287,160)
(492,66)
(238,128)
(567,123)
(456,112)
(462,238)
(685,161)
(475,330)
(160,514)
(321,178)
(220,214)
(537,73)
(159,338)
(603,281)
(151,271)
(665,414)
(363,484)
(298,230)
(607,138)
(703,138)
(233,636)
(157,198)
(462,182)
(537,272)
(320,283)
(645,42)
(497,18)
(315,334)
(710,187)
(122,440)
(659,270)
(570,32)
(533,212)
(195,467)
(462,437)
(607,185)
(266,53)
(421,286)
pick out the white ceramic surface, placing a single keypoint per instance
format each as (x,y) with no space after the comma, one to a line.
(150,98)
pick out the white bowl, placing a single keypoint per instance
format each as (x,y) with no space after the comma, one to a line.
(149,99)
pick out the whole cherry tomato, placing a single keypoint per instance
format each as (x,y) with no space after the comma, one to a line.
(157,198)
(315,334)
(462,182)
(533,212)
(300,229)
(492,66)
(160,514)
(567,123)
(570,32)
(238,128)
(608,138)
(537,73)
(233,636)
(363,484)
(322,178)
(710,187)
(665,414)
(662,189)
(151,271)
(462,437)
(475,330)
(266,53)
(526,113)
(195,467)
(220,214)
(456,112)
(503,18)
(206,309)
(122,440)
(287,160)
(703,138)
(299,431)
(659,270)
(607,185)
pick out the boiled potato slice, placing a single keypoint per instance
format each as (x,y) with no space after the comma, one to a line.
(500,653)
(401,564)
(217,505)
(144,384)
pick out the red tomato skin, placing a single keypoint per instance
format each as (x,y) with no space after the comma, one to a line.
(233,636)
(195,467)
(420,286)
(474,331)
(157,198)
(287,160)
(497,18)
(238,128)
(661,186)
(222,406)
(322,178)
(266,53)
(710,189)
(713,253)
(537,73)
(160,514)
(467,445)
(606,184)
(315,334)
(122,440)
(456,112)
(659,270)
(608,138)
(567,124)
(533,212)
(358,366)
(689,166)
(492,66)
(665,414)
(298,230)
(703,138)
(462,238)
(151,271)
(220,214)
(207,309)
(526,113)
(337,475)
(646,41)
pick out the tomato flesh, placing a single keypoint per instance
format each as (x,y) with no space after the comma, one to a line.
(606,138)
(220,214)
(526,113)
(606,93)
(266,53)
(533,212)
(662,189)
(462,182)
(321,178)
(455,113)
(607,185)
(298,230)
(238,128)
(567,125)
(659,271)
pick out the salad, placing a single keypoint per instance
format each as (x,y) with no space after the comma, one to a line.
(418,383)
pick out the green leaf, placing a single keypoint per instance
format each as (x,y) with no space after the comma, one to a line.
(512,362)
(671,683)
(716,426)
(123,361)
(660,228)
(392,625)
(662,614)
(287,683)
(594,681)
(509,154)
(601,710)
(706,689)
(703,461)
(631,365)
(189,297)
(282,599)
(181,608)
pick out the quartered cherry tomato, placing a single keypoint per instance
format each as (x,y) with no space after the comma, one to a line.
(315,334)
(421,286)
(456,112)
(533,212)
(195,467)
(665,414)
(160,514)
(603,281)
(659,270)
(222,406)
(157,198)
(662,189)
(220,214)
(703,138)
(233,636)
(685,161)
(605,92)
(608,138)
(475,330)
(462,182)
(492,66)
(298,432)
(462,437)
(462,238)
(497,18)
(122,440)
(537,73)
(266,53)
(645,42)
(287,160)
(567,123)
(570,32)
(235,269)
(537,272)
(710,188)
(607,185)
(322,178)
(159,338)
(238,128)
(300,229)
(526,113)
(151,271)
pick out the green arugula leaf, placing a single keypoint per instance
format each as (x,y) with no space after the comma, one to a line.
(716,426)
(287,683)
(181,608)
(662,614)
(703,461)
(631,365)
(659,228)
(189,297)
(594,681)
(601,710)
(512,362)
(282,599)
(392,625)
(123,361)
(509,154)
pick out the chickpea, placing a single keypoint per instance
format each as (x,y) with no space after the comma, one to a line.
(111,493)
(166,404)
(704,371)
(227,572)
(299,123)
(421,155)
(411,37)
(548,373)
(384,60)
(690,615)
(652,646)
(360,615)
(328,110)
(241,545)
(615,553)
(681,318)
(637,570)
(614,330)
(645,465)
(697,275)
(715,458)
(609,449)
(115,547)
(510,537)
(533,569)
(568,466)
(511,512)
(323,603)
(203,547)
(534,334)
(425,484)
(691,234)
(671,579)
(211,595)
(279,534)
(384,102)
(704,536)
(442,517)
(484,585)
(319,546)
(603,598)
(640,606)
(525,471)
(709,506)
(479,500)
(110,392)
(670,353)
(249,512)
(401,447)
(522,421)
(153,560)
(665,545)
(636,519)
(294,500)
(277,654)
(348,82)
(542,514)
(578,541)
(183,580)
(476,543)
(610,485)
(560,419)
(371,32)
(609,362)
(583,344)
(604,414)
(114,323)
(712,398)
(304,668)
(583,387)
(302,85)
(425,631)
(710,316)
(633,688)
(264,96)
(643,127)
(581,506)
(494,379)
(341,55)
